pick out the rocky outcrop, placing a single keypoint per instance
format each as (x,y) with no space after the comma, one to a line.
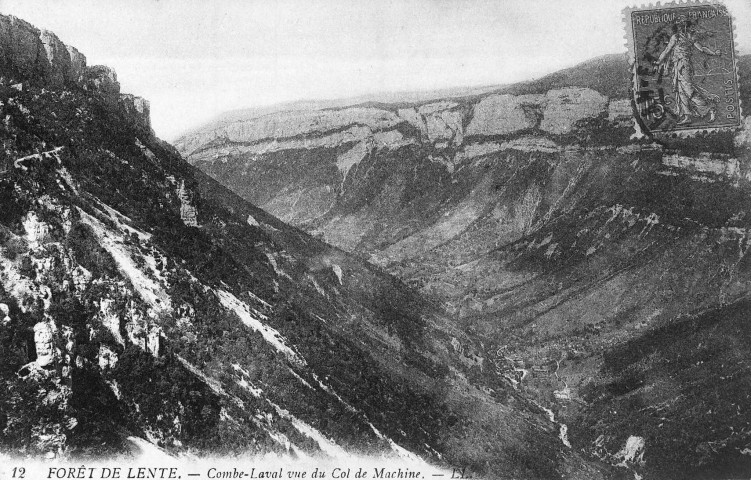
(146,336)
(567,106)
(295,124)
(55,59)
(445,126)
(137,110)
(103,79)
(411,116)
(37,231)
(188,210)
(28,54)
(110,319)
(505,114)
(77,64)
(5,314)
(107,357)
(633,450)
(139,330)
(20,45)
(38,55)
(44,344)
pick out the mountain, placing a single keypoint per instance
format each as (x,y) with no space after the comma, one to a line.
(609,274)
(407,97)
(144,303)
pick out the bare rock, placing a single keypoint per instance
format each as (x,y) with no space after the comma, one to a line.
(44,344)
(299,124)
(5,314)
(437,121)
(252,221)
(567,106)
(137,110)
(188,210)
(107,357)
(21,45)
(505,114)
(136,333)
(77,64)
(38,55)
(70,341)
(147,337)
(37,231)
(445,126)
(632,452)
(154,341)
(103,80)
(346,160)
(414,118)
(436,107)
(54,59)
(110,319)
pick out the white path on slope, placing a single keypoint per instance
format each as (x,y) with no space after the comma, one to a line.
(150,291)
(326,445)
(234,304)
(400,451)
(54,153)
(216,387)
(272,336)
(300,379)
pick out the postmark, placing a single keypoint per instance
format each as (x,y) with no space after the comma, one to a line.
(683,62)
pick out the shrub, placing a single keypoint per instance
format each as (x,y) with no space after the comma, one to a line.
(87,251)
(15,246)
(27,267)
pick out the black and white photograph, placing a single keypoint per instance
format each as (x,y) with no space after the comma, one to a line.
(363,239)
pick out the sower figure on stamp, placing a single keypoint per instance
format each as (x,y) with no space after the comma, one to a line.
(691,99)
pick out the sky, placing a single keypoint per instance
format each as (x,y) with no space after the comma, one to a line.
(194,59)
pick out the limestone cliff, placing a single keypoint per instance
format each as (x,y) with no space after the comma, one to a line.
(28,54)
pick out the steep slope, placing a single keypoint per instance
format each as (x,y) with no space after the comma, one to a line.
(141,299)
(605,275)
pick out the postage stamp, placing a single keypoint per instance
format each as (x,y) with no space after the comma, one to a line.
(683,61)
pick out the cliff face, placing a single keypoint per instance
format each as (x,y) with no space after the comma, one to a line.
(140,298)
(588,263)
(320,153)
(32,56)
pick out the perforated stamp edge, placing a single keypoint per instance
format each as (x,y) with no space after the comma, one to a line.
(640,130)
